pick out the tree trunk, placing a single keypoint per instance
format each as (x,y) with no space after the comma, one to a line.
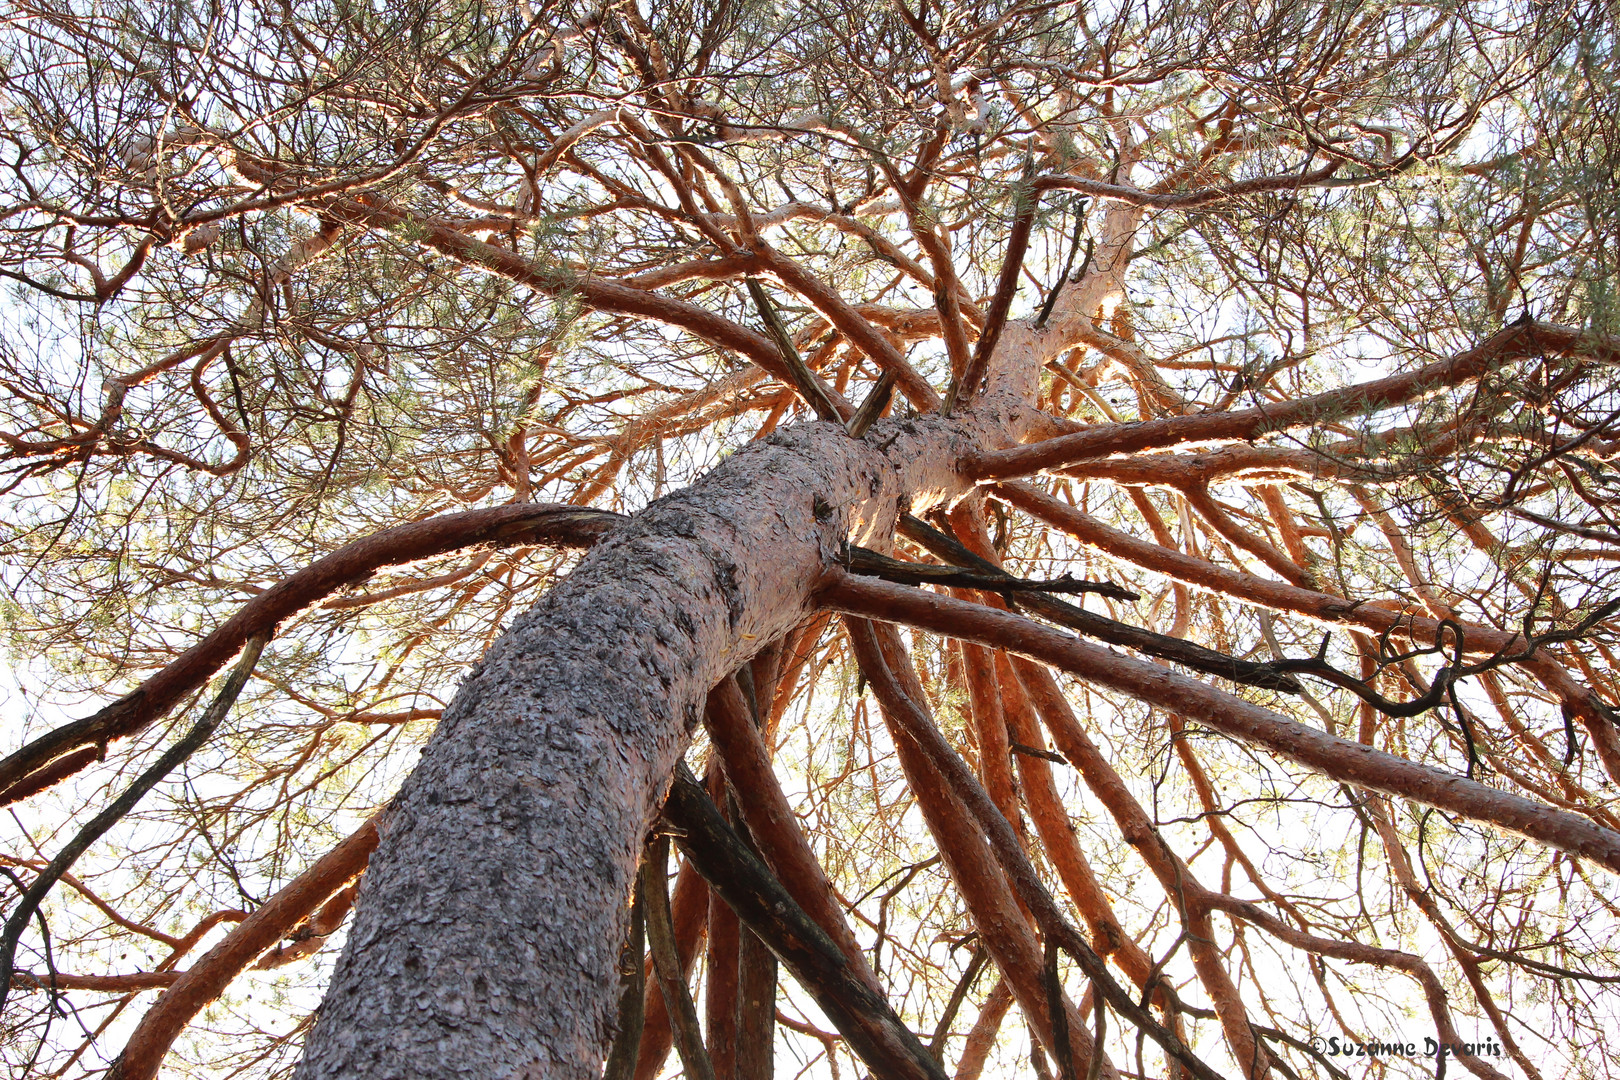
(488,928)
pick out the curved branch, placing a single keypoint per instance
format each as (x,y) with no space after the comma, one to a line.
(126,801)
(1434,991)
(65,750)
(596,292)
(1360,398)
(208,977)
(1186,200)
(1341,759)
(910,720)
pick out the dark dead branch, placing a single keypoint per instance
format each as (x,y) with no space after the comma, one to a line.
(865,1020)
(1178,650)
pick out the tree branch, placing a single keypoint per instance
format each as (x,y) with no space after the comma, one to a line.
(1340,759)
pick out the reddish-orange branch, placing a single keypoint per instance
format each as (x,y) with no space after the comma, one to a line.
(1062,848)
(990,725)
(1172,873)
(1340,759)
(1199,498)
(1056,831)
(981,1038)
(772,822)
(206,980)
(883,659)
(1400,622)
(599,293)
(1003,926)
(59,753)
(720,988)
(112,984)
(1515,341)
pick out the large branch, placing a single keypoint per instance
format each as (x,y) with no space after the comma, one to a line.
(65,750)
(1181,651)
(1134,824)
(773,824)
(1360,398)
(1185,200)
(881,657)
(1340,759)
(1181,885)
(1004,930)
(690,911)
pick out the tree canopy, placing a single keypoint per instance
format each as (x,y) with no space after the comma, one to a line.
(1115,507)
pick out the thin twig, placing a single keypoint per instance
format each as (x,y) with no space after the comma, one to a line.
(122,805)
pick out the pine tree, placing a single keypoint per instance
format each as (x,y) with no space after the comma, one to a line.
(1108,512)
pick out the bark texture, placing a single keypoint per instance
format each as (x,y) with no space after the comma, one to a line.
(487,931)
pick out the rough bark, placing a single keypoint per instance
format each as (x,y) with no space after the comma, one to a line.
(487,932)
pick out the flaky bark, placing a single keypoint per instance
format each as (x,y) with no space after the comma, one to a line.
(490,919)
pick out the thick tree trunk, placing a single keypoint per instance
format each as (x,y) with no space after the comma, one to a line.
(488,928)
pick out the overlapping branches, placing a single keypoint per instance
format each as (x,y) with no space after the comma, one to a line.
(1284,322)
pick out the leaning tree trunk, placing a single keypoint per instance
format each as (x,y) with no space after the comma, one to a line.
(488,930)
